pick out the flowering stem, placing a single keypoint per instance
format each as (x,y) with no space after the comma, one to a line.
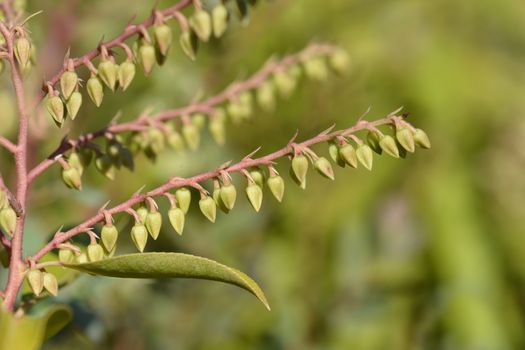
(205,106)
(176,182)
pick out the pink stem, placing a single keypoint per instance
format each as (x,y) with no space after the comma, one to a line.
(192,181)
(16,263)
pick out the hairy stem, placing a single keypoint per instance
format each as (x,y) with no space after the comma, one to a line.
(195,180)
(16,264)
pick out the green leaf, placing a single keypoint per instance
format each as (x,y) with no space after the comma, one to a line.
(29,332)
(170,265)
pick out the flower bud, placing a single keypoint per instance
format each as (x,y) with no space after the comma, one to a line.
(235,111)
(340,61)
(388,144)
(95,90)
(55,108)
(153,223)
(217,130)
(246,101)
(266,96)
(65,256)
(105,166)
(421,139)
(176,217)
(163,38)
(73,104)
(323,167)
(315,69)
(82,258)
(208,208)
(189,43)
(36,281)
(228,196)
(95,252)
(218,200)
(147,57)
(86,155)
(219,16)
(50,283)
(126,73)
(142,212)
(108,236)
(300,168)
(284,83)
(107,71)
(406,138)
(348,154)
(71,177)
(22,51)
(333,150)
(255,196)
(276,185)
(8,220)
(372,138)
(200,22)
(365,156)
(175,141)
(183,196)
(258,177)
(191,136)
(139,236)
(68,83)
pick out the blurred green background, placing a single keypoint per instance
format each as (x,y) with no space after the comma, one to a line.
(422,253)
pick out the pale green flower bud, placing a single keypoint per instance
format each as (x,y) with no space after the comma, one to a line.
(372,138)
(348,154)
(189,43)
(365,156)
(388,144)
(228,196)
(333,150)
(147,57)
(95,252)
(55,108)
(107,71)
(36,281)
(71,177)
(73,104)
(163,38)
(219,17)
(65,256)
(266,96)
(191,136)
(323,167)
(340,61)
(183,196)
(406,139)
(208,208)
(300,168)
(153,223)
(126,73)
(68,83)
(22,51)
(139,236)
(421,139)
(200,22)
(109,236)
(176,217)
(255,196)
(276,185)
(8,220)
(95,90)
(50,283)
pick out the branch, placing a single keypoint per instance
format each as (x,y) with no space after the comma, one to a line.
(194,181)
(15,277)
(129,31)
(11,147)
(205,106)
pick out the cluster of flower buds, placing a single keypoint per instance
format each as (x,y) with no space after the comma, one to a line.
(7,215)
(148,51)
(39,281)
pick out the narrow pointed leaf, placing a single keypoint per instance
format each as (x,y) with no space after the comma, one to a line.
(170,265)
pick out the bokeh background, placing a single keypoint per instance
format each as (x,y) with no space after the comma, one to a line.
(422,253)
